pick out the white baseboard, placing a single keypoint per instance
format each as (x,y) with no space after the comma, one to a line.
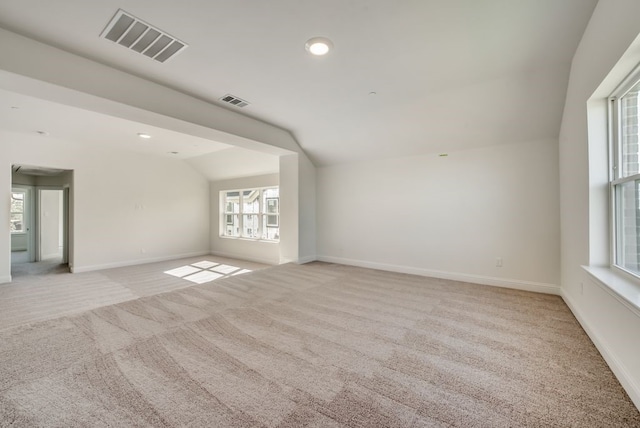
(5,279)
(80,269)
(307,259)
(516,284)
(618,369)
(244,257)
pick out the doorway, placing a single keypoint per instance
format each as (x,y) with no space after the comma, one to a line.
(40,220)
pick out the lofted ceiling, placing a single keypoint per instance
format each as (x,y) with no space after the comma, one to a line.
(26,114)
(447,74)
(49,120)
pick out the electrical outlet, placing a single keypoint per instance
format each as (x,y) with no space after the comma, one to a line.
(499,262)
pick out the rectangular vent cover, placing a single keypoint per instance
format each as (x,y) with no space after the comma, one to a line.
(135,34)
(233,100)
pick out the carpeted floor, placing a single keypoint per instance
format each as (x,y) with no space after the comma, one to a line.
(39,294)
(20,267)
(315,345)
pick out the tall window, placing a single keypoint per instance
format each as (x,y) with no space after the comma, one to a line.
(17,212)
(251,213)
(625,176)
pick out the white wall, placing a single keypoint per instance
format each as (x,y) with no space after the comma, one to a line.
(448,217)
(25,180)
(599,62)
(126,208)
(259,251)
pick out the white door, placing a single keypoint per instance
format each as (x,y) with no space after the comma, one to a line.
(51,224)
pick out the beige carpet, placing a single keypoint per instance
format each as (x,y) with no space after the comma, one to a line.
(47,267)
(315,345)
(51,294)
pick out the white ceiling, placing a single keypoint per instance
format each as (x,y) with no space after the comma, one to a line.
(449,74)
(214,160)
(234,163)
(25,114)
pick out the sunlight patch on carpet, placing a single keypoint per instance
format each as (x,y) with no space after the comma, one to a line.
(203,276)
(225,269)
(183,271)
(205,264)
(205,271)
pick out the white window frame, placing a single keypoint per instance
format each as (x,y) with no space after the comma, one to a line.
(261,213)
(615,167)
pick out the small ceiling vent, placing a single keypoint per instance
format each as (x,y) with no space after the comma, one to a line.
(132,33)
(233,100)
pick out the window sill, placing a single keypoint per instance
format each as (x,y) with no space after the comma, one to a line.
(623,288)
(239,238)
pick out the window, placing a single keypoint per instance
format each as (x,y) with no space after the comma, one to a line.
(625,176)
(17,212)
(251,213)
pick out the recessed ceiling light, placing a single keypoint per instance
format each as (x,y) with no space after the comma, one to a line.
(372,93)
(45,133)
(318,46)
(15,107)
(173,153)
(143,135)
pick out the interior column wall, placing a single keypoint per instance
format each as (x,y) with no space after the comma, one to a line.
(289,208)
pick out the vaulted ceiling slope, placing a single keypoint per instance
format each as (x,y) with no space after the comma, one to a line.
(447,74)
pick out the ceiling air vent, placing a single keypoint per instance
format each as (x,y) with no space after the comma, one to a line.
(233,100)
(130,32)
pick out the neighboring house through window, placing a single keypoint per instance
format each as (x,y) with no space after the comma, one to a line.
(250,213)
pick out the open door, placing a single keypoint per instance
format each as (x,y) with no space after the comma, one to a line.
(51,224)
